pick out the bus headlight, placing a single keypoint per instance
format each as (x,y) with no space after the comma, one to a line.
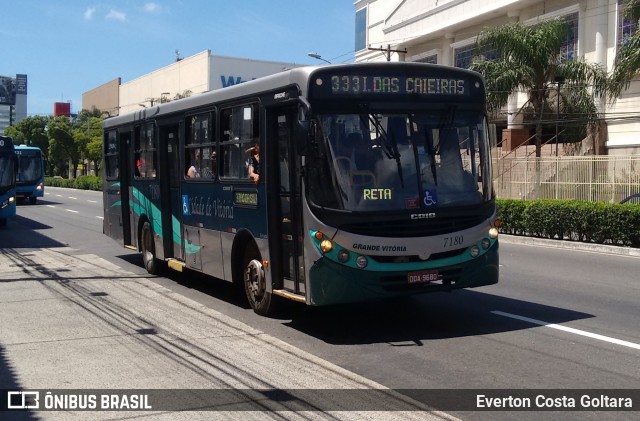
(493,232)
(11,199)
(486,243)
(362,262)
(343,256)
(475,251)
(39,186)
(326,246)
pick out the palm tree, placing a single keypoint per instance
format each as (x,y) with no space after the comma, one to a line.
(529,59)
(627,61)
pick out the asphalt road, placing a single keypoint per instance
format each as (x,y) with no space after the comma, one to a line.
(559,319)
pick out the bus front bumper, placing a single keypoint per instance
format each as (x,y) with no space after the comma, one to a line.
(332,283)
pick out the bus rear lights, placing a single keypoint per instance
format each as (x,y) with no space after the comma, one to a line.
(265,263)
(326,246)
(493,233)
(486,243)
(362,262)
(475,251)
(343,256)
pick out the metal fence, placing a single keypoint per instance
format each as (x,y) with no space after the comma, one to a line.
(592,178)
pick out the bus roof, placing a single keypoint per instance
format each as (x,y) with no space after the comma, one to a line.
(28,148)
(298,76)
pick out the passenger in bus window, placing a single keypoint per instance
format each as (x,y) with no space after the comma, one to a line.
(254,163)
(140,166)
(193,171)
(209,170)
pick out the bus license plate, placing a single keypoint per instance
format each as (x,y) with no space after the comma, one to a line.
(422,276)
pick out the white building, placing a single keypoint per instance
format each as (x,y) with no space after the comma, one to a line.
(196,74)
(444,32)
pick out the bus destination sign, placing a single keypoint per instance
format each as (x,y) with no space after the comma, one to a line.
(338,85)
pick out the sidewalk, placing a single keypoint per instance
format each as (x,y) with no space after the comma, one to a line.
(74,321)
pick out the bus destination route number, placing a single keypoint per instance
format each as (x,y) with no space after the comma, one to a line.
(389,85)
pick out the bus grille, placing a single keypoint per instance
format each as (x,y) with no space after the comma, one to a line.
(411,228)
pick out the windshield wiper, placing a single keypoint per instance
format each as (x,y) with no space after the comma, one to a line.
(388,144)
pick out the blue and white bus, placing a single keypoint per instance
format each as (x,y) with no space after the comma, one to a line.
(375,182)
(7,180)
(30,183)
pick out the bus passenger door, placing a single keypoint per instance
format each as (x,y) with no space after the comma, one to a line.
(286,233)
(126,153)
(170,190)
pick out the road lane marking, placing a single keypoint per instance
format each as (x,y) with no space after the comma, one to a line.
(74,198)
(570,330)
(71,210)
(50,206)
(92,201)
(100,217)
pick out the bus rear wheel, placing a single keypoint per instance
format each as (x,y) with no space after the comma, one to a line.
(149,250)
(255,284)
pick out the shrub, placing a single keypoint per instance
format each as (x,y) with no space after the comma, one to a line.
(597,222)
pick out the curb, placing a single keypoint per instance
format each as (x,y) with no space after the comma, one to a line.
(572,245)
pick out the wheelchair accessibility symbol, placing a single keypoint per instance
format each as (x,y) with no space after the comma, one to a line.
(430,198)
(185,205)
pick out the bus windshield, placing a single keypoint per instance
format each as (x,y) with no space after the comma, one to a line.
(391,161)
(29,166)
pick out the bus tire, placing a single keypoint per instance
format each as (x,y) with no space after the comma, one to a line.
(148,248)
(33,200)
(255,284)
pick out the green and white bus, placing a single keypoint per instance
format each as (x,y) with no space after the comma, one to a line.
(375,181)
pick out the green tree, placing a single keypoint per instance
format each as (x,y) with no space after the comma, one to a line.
(88,137)
(32,131)
(15,134)
(627,61)
(529,59)
(62,145)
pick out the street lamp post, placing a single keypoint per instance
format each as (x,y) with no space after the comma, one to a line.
(318,57)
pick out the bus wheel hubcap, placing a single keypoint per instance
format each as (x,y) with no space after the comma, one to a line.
(254,278)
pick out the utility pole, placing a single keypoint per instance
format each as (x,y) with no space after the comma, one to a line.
(387,51)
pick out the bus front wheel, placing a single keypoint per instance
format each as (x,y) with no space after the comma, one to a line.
(255,284)
(149,250)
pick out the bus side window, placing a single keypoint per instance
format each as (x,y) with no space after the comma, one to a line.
(200,151)
(239,132)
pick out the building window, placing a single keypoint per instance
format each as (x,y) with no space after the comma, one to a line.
(626,27)
(463,56)
(361,29)
(569,47)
